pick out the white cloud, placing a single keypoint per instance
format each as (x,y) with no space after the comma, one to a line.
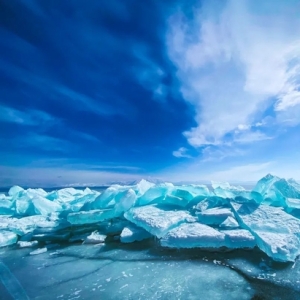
(216,154)
(28,117)
(233,61)
(149,74)
(181,152)
(246,137)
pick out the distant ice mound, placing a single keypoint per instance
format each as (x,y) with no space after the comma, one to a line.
(185,216)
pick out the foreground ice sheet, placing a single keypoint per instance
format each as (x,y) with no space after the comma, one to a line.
(182,216)
(88,272)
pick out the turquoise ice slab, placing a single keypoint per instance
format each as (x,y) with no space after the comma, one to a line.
(132,233)
(157,220)
(196,235)
(193,235)
(7,238)
(276,232)
(214,216)
(92,216)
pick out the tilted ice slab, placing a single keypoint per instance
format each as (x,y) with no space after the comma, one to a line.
(43,206)
(141,187)
(65,195)
(156,220)
(26,225)
(79,202)
(7,238)
(211,202)
(155,194)
(92,216)
(6,206)
(277,191)
(277,233)
(31,202)
(113,226)
(124,201)
(14,190)
(193,235)
(103,199)
(132,233)
(197,235)
(214,216)
(230,223)
(225,190)
(239,238)
(168,194)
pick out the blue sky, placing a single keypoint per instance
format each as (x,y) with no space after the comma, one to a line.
(100,91)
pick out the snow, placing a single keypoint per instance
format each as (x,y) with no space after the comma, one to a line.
(38,251)
(95,238)
(23,244)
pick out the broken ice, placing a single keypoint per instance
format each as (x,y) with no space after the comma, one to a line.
(173,216)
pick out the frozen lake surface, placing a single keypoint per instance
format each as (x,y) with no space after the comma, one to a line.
(144,271)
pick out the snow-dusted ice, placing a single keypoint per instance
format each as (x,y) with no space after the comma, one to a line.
(239,238)
(95,238)
(277,233)
(193,235)
(156,220)
(230,222)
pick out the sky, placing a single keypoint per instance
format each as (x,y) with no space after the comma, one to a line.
(95,92)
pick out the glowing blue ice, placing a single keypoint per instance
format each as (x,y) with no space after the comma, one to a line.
(157,220)
(277,233)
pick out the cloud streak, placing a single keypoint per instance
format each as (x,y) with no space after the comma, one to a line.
(235,62)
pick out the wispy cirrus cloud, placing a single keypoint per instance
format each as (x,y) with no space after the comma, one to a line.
(236,61)
(149,74)
(28,117)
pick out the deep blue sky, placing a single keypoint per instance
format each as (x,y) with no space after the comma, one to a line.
(96,91)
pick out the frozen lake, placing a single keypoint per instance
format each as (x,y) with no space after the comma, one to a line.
(144,271)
